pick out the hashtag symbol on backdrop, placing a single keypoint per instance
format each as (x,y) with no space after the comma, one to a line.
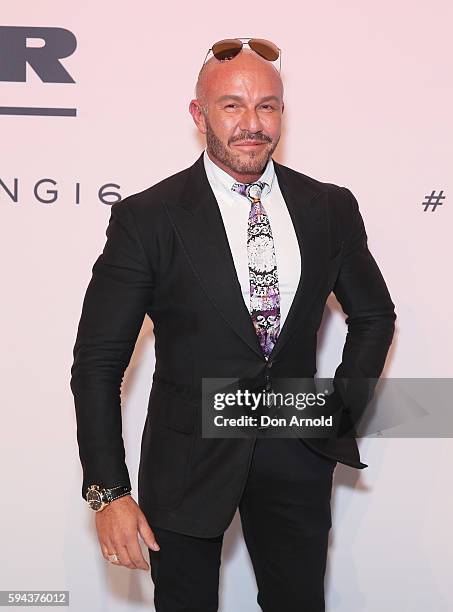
(433,200)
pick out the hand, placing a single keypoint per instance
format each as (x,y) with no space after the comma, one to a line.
(117,527)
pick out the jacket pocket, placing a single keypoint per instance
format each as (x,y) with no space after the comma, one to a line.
(166,449)
(168,408)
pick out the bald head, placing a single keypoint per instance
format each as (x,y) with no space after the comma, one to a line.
(246,63)
(239,107)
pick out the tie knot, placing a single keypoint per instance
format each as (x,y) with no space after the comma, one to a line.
(252,191)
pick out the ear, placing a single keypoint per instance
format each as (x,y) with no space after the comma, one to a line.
(197,115)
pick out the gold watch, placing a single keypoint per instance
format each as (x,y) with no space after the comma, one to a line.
(99,497)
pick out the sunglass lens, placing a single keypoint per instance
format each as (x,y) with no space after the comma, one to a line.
(265,48)
(226,49)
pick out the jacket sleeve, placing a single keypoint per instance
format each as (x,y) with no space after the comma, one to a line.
(115,303)
(363,295)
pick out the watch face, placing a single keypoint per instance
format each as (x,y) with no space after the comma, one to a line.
(94,499)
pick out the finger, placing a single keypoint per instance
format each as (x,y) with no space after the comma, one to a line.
(112,550)
(107,549)
(104,550)
(147,533)
(136,555)
(123,555)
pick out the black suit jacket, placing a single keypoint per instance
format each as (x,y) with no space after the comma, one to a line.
(167,255)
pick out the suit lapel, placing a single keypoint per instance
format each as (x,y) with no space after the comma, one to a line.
(307,206)
(198,222)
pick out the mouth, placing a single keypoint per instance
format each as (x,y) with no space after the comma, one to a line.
(248,144)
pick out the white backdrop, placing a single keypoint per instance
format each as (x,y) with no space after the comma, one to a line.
(368,97)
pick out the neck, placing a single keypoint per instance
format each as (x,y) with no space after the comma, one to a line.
(238,176)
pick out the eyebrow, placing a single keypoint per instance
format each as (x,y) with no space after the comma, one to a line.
(240,98)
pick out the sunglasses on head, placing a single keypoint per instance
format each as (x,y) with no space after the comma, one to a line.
(230,47)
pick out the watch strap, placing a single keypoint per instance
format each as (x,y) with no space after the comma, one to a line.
(112,493)
(105,495)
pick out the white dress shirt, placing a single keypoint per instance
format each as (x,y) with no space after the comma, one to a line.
(235,209)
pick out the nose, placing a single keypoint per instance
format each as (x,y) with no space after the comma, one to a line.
(250,121)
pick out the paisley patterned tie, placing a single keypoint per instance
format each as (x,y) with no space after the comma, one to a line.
(262,263)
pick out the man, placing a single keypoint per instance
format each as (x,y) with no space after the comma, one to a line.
(192,252)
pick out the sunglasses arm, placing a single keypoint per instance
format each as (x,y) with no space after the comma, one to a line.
(205,57)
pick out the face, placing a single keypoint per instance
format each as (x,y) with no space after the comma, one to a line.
(242,114)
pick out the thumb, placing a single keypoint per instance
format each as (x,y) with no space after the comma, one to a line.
(147,533)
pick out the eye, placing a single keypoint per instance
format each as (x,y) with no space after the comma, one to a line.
(232,105)
(267,106)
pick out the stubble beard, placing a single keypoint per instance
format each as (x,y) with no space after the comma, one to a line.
(253,163)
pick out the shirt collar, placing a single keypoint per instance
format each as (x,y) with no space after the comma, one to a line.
(220,178)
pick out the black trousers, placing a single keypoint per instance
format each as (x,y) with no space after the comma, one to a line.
(285,516)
